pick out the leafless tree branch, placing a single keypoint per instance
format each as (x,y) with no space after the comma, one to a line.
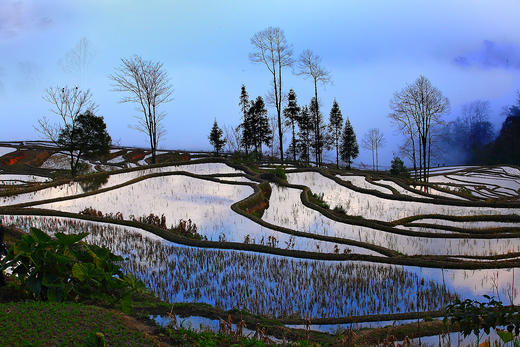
(145,83)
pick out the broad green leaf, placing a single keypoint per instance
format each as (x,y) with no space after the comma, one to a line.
(80,271)
(49,279)
(34,285)
(55,293)
(39,235)
(505,336)
(67,240)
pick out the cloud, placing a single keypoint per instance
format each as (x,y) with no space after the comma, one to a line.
(18,16)
(492,55)
(11,18)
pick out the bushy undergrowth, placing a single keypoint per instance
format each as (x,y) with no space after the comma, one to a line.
(184,228)
(65,269)
(275,175)
(472,316)
(340,210)
(318,200)
(258,203)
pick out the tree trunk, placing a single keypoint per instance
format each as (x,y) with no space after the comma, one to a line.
(279,108)
(72,166)
(316,125)
(373,162)
(377,159)
(413,155)
(425,144)
(337,153)
(429,156)
(420,159)
(293,141)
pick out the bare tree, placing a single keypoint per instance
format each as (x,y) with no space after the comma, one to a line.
(272,50)
(78,58)
(147,85)
(309,66)
(417,109)
(233,138)
(405,125)
(68,104)
(372,141)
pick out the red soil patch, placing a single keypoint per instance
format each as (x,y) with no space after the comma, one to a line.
(258,207)
(36,158)
(28,157)
(12,161)
(185,157)
(135,155)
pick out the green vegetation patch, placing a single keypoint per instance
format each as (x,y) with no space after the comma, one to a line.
(69,324)
(258,202)
(186,337)
(318,200)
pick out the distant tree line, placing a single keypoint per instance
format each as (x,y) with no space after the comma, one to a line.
(471,138)
(310,136)
(505,148)
(417,112)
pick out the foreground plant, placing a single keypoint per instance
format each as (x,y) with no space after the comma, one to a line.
(472,316)
(65,269)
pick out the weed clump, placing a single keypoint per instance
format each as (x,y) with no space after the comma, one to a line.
(275,175)
(318,200)
(340,210)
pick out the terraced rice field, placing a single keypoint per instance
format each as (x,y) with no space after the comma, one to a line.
(271,249)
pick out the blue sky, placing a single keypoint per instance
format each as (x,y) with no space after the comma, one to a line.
(468,49)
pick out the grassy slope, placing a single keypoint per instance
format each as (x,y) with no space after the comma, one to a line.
(43,323)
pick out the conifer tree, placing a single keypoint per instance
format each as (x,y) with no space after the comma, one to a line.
(258,123)
(216,137)
(349,147)
(320,138)
(305,126)
(245,125)
(291,113)
(335,124)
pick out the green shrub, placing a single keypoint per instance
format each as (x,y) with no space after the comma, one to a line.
(473,315)
(93,182)
(464,190)
(398,168)
(340,210)
(274,175)
(64,268)
(318,200)
(280,173)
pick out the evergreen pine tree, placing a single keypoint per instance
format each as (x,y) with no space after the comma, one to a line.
(349,149)
(335,124)
(258,124)
(291,113)
(320,140)
(305,126)
(215,138)
(245,125)
(398,168)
